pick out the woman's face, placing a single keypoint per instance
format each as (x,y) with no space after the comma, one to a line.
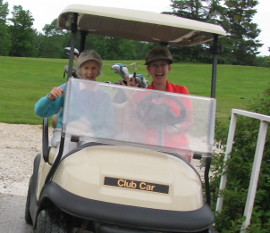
(159,70)
(90,70)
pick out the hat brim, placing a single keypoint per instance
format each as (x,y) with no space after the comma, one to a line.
(170,61)
(89,59)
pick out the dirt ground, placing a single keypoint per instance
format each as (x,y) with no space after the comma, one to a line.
(19,145)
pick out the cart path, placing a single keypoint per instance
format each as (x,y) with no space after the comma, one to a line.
(12,215)
(19,144)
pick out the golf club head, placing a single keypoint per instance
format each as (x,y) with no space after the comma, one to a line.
(121,69)
(68,49)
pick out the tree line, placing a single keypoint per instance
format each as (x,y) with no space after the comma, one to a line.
(239,47)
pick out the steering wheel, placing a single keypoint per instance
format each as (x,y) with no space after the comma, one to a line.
(155,112)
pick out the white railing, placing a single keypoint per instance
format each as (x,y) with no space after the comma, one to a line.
(264,121)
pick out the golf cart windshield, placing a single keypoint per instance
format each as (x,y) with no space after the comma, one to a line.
(120,115)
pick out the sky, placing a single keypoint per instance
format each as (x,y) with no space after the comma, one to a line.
(45,11)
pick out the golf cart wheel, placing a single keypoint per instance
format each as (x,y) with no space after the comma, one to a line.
(51,221)
(27,215)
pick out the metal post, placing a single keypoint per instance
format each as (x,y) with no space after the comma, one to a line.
(83,39)
(254,175)
(72,46)
(223,180)
(214,66)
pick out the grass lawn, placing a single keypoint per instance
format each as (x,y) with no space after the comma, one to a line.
(25,80)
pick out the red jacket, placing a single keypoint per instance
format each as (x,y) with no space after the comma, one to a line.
(173,88)
(177,139)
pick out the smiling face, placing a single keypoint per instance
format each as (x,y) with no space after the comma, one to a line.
(159,71)
(90,70)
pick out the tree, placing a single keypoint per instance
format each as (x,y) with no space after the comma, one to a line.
(51,30)
(22,34)
(51,44)
(202,10)
(191,9)
(117,49)
(240,45)
(5,42)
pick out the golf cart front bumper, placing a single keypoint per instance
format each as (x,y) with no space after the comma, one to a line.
(126,215)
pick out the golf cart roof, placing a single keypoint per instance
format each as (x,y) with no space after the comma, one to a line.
(138,25)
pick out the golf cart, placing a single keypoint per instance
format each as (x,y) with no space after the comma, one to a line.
(117,169)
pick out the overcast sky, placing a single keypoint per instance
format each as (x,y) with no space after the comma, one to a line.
(45,11)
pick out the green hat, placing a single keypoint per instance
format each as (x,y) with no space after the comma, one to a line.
(159,53)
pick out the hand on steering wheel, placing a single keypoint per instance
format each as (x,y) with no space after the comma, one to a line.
(156,111)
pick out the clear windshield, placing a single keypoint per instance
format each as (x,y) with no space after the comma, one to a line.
(119,115)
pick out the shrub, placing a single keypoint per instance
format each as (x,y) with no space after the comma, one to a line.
(239,170)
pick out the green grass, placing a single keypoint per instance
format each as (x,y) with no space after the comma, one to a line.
(236,85)
(25,80)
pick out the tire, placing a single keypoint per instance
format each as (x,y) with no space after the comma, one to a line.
(51,221)
(27,215)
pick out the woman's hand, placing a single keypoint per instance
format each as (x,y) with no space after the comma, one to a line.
(55,93)
(130,82)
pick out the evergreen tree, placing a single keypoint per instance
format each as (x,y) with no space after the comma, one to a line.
(202,10)
(240,46)
(22,34)
(191,9)
(5,42)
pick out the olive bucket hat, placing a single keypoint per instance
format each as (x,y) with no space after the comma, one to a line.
(89,55)
(159,53)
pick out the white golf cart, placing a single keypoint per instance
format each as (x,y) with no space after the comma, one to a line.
(117,169)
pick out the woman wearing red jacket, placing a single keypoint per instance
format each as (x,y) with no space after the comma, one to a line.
(158,63)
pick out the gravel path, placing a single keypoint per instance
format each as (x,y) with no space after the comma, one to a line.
(19,145)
